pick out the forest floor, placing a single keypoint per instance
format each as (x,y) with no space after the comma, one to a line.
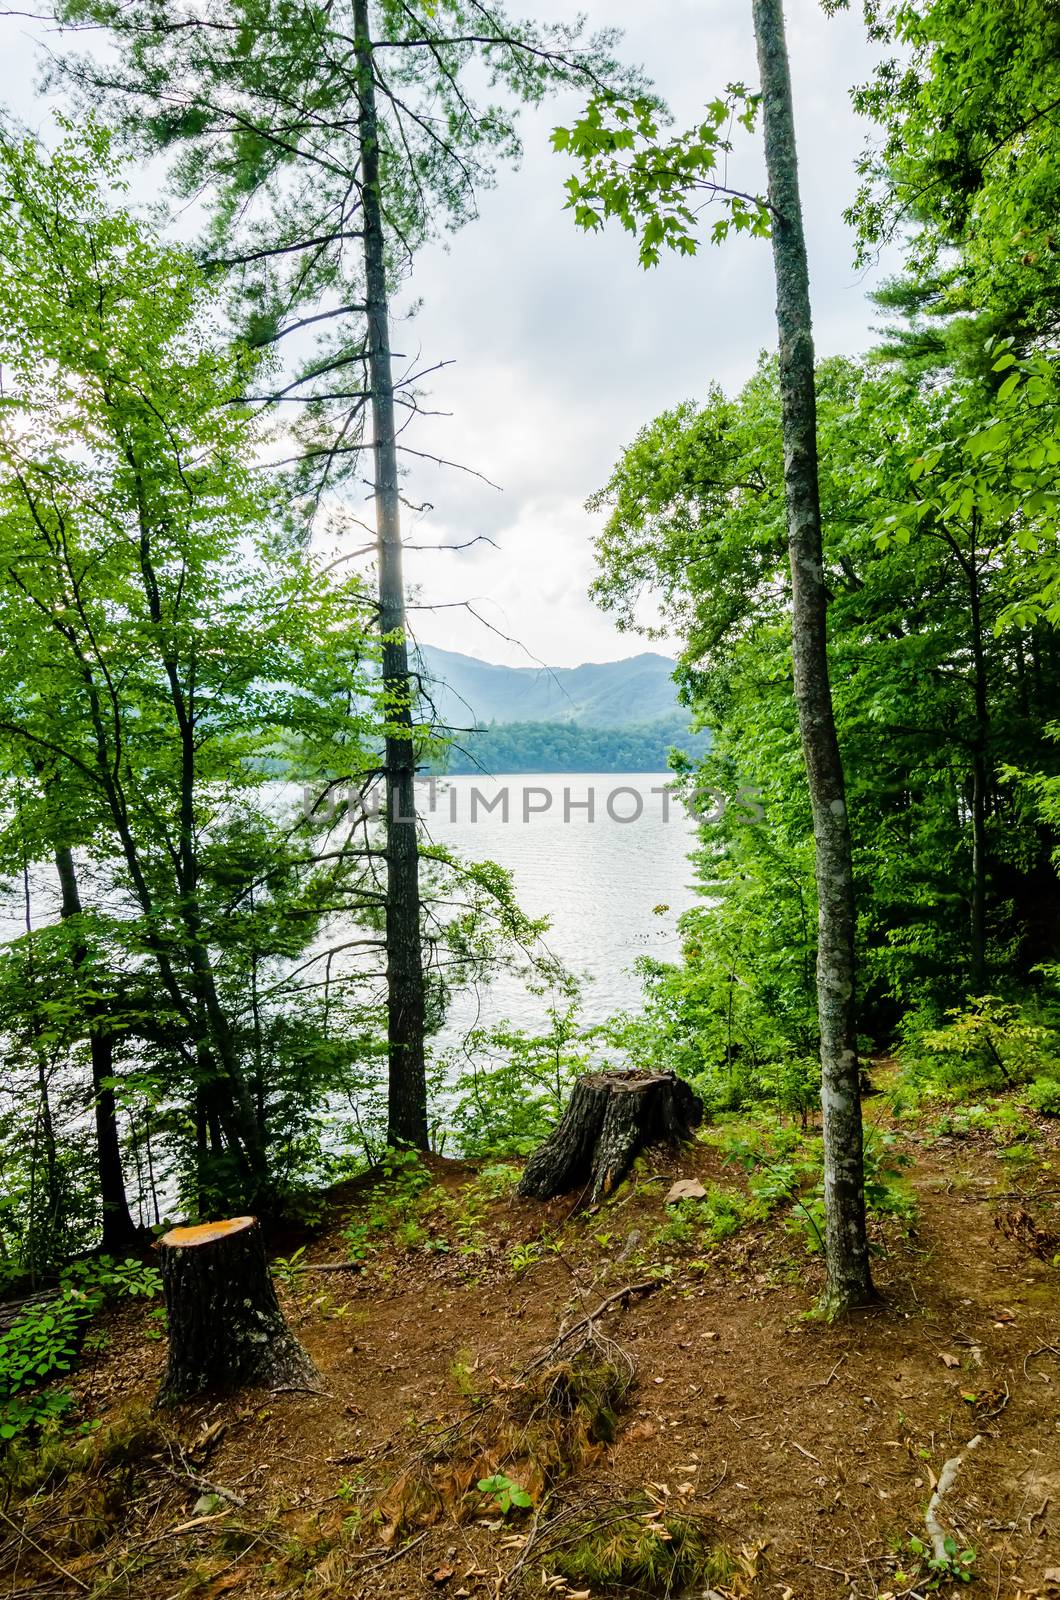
(712,1437)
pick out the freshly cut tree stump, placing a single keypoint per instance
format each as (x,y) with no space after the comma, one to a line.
(226,1328)
(611,1117)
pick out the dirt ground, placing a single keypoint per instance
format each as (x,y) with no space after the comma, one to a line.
(810,1451)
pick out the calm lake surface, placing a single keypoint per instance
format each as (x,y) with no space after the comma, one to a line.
(613,880)
(612,883)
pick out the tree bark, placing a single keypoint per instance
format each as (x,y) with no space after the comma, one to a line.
(406,1004)
(119,1230)
(849,1282)
(611,1117)
(226,1329)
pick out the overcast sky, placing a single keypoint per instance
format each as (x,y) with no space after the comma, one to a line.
(562,347)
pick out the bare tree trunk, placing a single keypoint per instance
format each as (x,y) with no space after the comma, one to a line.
(119,1230)
(406,1008)
(979,777)
(849,1279)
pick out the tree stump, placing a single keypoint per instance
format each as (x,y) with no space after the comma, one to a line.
(226,1328)
(611,1117)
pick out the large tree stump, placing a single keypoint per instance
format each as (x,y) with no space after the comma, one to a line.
(611,1117)
(226,1328)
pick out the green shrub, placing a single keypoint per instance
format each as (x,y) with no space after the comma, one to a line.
(42,1343)
(989,1044)
(518,1084)
(1043,1096)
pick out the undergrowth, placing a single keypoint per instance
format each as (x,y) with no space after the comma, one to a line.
(44,1340)
(407,1210)
(639,1546)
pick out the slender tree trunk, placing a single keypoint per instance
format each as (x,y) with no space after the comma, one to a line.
(119,1230)
(849,1279)
(406,1009)
(979,773)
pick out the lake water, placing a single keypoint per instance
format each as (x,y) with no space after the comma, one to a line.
(603,856)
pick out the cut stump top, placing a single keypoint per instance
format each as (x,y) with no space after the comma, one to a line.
(206,1232)
(624,1082)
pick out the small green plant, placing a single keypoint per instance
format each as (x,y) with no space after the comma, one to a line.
(954,1564)
(290,1271)
(784,1168)
(156,1328)
(39,1346)
(704,1222)
(524,1256)
(103,1277)
(497,1181)
(43,1343)
(507,1495)
(463,1372)
(396,1207)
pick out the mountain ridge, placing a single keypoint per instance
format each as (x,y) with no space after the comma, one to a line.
(467,692)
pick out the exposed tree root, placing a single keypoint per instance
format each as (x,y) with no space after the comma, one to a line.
(936,1532)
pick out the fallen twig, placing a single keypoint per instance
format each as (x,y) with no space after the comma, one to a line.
(1041,1351)
(510,1577)
(303,1388)
(395,1555)
(203,1485)
(831,1375)
(936,1532)
(648,1287)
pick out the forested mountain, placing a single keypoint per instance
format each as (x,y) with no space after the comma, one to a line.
(607,716)
(466,692)
(571,747)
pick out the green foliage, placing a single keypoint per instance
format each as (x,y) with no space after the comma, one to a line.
(989,1043)
(967,99)
(40,1345)
(506,1494)
(701,1224)
(785,1168)
(103,1276)
(43,1341)
(290,1271)
(517,1084)
(1043,1096)
(955,1565)
(655,187)
(694,516)
(181,657)
(571,747)
(524,1256)
(171,648)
